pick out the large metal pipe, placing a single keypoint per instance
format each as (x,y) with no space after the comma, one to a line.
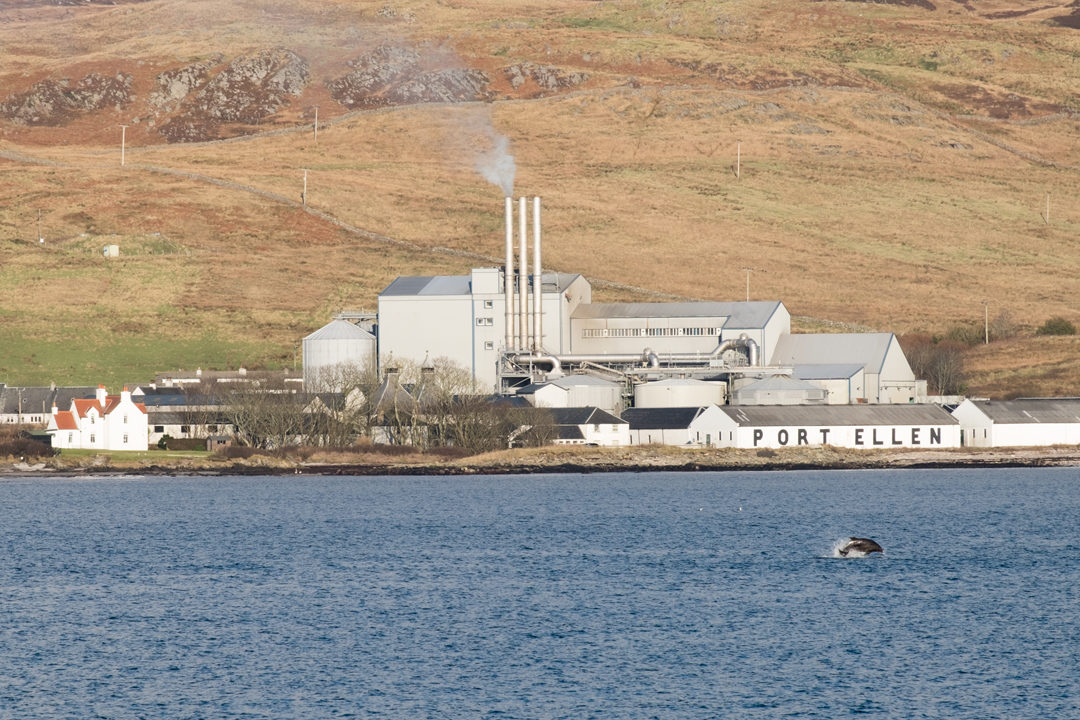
(523,277)
(508,274)
(537,286)
(649,357)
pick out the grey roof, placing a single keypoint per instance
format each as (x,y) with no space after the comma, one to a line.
(866,349)
(660,418)
(40,399)
(838,415)
(569,432)
(1031,410)
(570,381)
(583,416)
(340,330)
(741,315)
(439,285)
(825,371)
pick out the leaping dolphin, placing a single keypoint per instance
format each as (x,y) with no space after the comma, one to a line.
(862,545)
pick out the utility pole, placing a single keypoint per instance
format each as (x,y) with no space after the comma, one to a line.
(303,195)
(316,124)
(986,322)
(1046,218)
(748,271)
(123,142)
(738,160)
(41,238)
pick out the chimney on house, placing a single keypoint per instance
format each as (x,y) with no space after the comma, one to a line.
(125,395)
(55,410)
(102,394)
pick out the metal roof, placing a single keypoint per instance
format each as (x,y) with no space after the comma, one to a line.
(866,349)
(741,315)
(1031,410)
(583,416)
(340,330)
(660,418)
(826,371)
(838,415)
(779,382)
(461,285)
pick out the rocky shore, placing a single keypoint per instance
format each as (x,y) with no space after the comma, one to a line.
(551,460)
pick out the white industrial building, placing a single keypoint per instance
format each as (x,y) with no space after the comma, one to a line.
(849,426)
(339,346)
(1026,422)
(694,426)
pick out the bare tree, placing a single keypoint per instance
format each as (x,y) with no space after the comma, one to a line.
(939,362)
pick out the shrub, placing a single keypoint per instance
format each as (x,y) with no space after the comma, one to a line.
(1056,326)
(966,334)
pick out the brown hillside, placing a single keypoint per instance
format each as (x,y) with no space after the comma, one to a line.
(876,165)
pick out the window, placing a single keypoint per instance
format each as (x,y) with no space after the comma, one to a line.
(489,304)
(91,438)
(489,345)
(125,438)
(71,438)
(125,422)
(485,321)
(159,428)
(183,429)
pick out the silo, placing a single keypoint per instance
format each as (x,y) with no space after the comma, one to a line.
(338,344)
(680,392)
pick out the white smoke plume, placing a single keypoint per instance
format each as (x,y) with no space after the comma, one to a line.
(497,164)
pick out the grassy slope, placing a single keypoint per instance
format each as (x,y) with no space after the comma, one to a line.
(894,168)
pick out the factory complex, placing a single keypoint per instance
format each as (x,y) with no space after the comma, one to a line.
(712,374)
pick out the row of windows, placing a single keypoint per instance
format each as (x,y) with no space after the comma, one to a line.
(648,332)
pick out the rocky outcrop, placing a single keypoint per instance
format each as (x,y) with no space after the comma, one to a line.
(53,102)
(173,86)
(546,77)
(391,75)
(249,90)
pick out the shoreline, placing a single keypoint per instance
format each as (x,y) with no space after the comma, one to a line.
(558,460)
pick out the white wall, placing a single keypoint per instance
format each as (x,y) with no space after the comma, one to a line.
(868,437)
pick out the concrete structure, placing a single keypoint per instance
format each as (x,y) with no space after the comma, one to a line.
(679,392)
(844,383)
(336,347)
(695,426)
(887,375)
(1026,422)
(105,422)
(463,319)
(851,426)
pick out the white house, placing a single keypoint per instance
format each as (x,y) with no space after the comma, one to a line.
(1019,423)
(589,426)
(104,422)
(704,426)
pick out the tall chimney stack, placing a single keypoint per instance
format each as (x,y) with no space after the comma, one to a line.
(508,274)
(523,277)
(537,288)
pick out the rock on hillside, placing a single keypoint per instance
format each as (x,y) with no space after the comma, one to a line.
(546,77)
(392,75)
(52,102)
(250,89)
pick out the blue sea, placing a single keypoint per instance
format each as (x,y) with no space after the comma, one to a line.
(624,595)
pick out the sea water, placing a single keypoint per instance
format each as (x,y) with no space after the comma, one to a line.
(626,595)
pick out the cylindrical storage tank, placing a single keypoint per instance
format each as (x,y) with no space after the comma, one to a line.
(680,393)
(338,346)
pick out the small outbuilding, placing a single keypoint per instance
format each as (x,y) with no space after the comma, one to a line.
(1025,422)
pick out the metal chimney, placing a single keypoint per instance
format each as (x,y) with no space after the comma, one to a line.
(523,277)
(508,275)
(537,287)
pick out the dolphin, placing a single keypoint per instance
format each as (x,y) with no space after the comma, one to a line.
(861,545)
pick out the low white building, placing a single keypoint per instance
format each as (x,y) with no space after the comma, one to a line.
(705,426)
(1026,422)
(589,426)
(865,427)
(104,422)
(575,391)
